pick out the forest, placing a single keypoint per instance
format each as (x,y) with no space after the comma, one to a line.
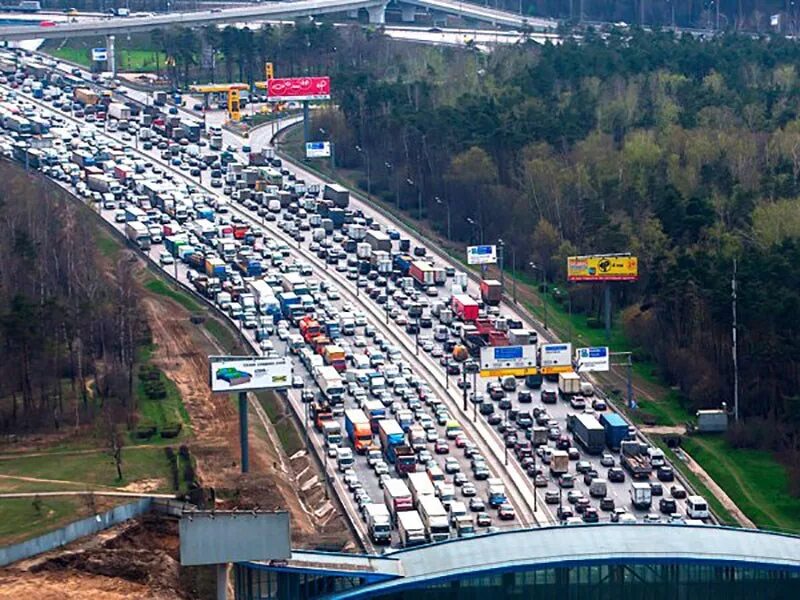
(683,151)
(69,322)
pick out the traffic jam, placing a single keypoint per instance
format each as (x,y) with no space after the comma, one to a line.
(396,354)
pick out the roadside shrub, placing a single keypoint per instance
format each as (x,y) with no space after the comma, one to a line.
(171,430)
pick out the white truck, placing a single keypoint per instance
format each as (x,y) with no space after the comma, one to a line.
(641,495)
(397,498)
(434,518)
(420,486)
(569,384)
(119,111)
(411,528)
(379,524)
(263,294)
(332,433)
(363,250)
(138,233)
(330,383)
(416,438)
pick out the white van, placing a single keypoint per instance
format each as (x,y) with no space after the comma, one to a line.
(360,361)
(696,507)
(344,458)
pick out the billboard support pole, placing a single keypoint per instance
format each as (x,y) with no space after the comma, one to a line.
(243,432)
(607,309)
(306,123)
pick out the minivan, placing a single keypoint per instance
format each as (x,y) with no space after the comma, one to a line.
(696,507)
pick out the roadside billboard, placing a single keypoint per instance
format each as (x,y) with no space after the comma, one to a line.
(242,373)
(555,358)
(603,268)
(318,149)
(593,359)
(299,88)
(500,361)
(99,54)
(481,255)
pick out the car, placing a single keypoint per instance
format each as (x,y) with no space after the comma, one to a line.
(451,465)
(607,504)
(590,515)
(607,460)
(599,405)
(564,512)
(297,382)
(477,505)
(540,481)
(424,456)
(617,514)
(574,495)
(615,475)
(572,452)
(589,476)
(566,481)
(373,456)
(656,489)
(581,504)
(549,397)
(494,419)
(665,473)
(582,466)
(381,468)
(460,479)
(667,506)
(308,396)
(481,473)
(461,440)
(677,492)
(552,497)
(165,258)
(506,512)
(652,518)
(468,490)
(483,520)
(441,446)
(577,402)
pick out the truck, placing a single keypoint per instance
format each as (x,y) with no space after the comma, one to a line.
(335,357)
(320,413)
(416,438)
(465,526)
(358,429)
(215,141)
(616,429)
(379,525)
(464,307)
(538,435)
(635,459)
(491,292)
(249,266)
(569,384)
(641,495)
(559,462)
(309,328)
(86,96)
(290,305)
(422,273)
(520,337)
(215,267)
(338,194)
(99,183)
(589,433)
(332,433)
(434,518)
(420,485)
(119,111)
(375,411)
(411,528)
(138,234)
(397,497)
(391,436)
(497,492)
(712,420)
(405,460)
(330,384)
(378,240)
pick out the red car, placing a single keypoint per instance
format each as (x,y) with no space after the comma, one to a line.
(506,512)
(441,447)
(461,441)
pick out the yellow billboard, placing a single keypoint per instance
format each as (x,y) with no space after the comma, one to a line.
(610,267)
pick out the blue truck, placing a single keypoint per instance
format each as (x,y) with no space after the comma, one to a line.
(172,243)
(616,429)
(205,212)
(337,215)
(391,436)
(333,329)
(402,262)
(249,267)
(290,305)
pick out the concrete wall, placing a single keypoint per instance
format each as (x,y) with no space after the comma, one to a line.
(73,531)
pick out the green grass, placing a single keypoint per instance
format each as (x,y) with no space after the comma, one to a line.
(93,469)
(221,333)
(753,479)
(20,519)
(107,245)
(158,286)
(282,421)
(133,60)
(162,413)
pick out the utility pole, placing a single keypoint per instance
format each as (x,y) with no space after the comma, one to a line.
(500,246)
(735,351)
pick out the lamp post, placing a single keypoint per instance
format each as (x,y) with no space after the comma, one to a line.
(411,182)
(536,267)
(446,371)
(360,150)
(417,337)
(478,226)
(464,386)
(447,206)
(514,274)
(389,168)
(500,246)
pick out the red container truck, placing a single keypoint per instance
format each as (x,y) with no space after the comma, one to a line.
(464,307)
(491,291)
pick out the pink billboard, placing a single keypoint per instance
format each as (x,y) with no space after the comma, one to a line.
(299,88)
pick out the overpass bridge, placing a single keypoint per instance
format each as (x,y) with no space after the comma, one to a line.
(268,11)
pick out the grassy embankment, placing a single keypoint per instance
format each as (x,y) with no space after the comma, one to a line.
(755,481)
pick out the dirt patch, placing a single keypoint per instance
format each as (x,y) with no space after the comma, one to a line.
(663,430)
(145,486)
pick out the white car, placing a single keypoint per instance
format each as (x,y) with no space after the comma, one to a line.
(266,346)
(165,258)
(283,334)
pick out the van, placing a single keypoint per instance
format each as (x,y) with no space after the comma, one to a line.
(435,473)
(344,458)
(696,507)
(598,488)
(360,361)
(440,333)
(457,509)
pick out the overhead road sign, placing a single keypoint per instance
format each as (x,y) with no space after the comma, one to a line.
(299,88)
(502,361)
(603,267)
(592,359)
(481,255)
(242,373)
(99,54)
(318,149)
(555,358)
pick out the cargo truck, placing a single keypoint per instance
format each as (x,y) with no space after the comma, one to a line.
(497,492)
(99,183)
(559,462)
(119,111)
(420,485)
(616,429)
(332,434)
(641,495)
(138,234)
(338,194)
(464,307)
(569,384)
(491,292)
(635,459)
(358,429)
(379,525)
(378,240)
(86,96)
(422,274)
(434,519)
(589,433)
(465,526)
(411,528)
(396,497)
(391,436)
(335,357)
(330,384)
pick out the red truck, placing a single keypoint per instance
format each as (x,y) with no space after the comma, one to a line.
(422,273)
(491,291)
(240,231)
(464,307)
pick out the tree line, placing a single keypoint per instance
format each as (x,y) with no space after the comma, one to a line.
(69,323)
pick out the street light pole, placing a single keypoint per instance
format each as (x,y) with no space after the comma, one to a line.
(360,150)
(543,291)
(514,274)
(500,246)
(474,391)
(417,337)
(447,206)
(464,386)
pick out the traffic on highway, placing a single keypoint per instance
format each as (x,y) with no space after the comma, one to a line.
(385,335)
